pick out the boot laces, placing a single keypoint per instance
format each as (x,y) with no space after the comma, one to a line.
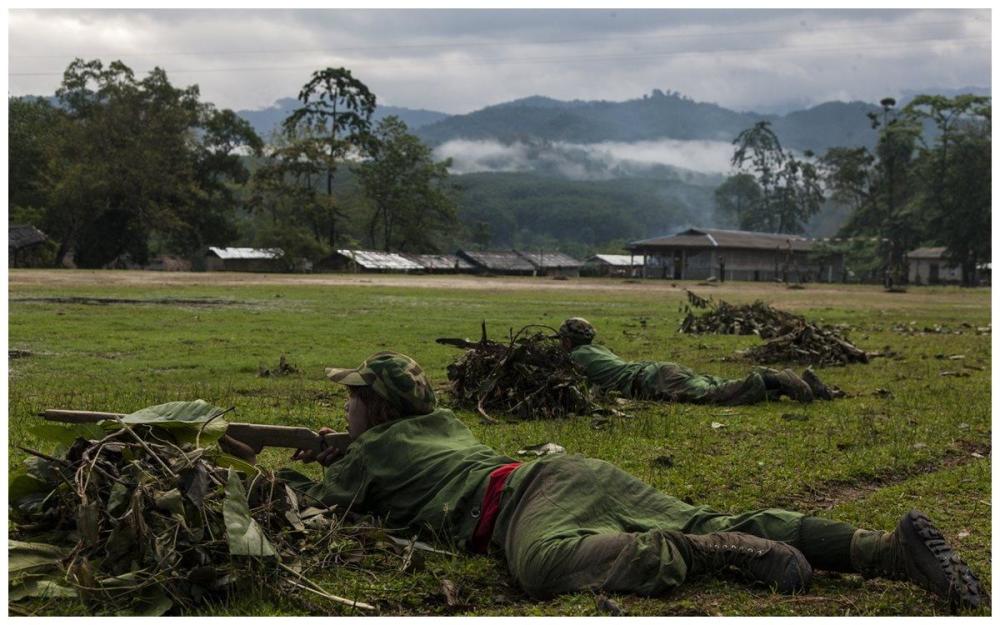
(727,554)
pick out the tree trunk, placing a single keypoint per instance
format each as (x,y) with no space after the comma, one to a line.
(61,254)
(969,272)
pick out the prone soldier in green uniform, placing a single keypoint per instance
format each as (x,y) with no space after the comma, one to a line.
(667,381)
(569,523)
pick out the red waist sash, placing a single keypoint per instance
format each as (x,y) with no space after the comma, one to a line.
(491,506)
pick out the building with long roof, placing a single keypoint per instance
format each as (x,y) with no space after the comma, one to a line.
(703,253)
(367,261)
(498,262)
(622,265)
(511,262)
(440,263)
(243,259)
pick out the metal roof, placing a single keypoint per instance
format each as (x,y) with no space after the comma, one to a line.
(19,236)
(438,261)
(550,259)
(380,260)
(245,253)
(927,252)
(738,239)
(501,261)
(617,260)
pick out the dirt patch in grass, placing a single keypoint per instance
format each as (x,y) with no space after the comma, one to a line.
(168,301)
(827,495)
(860,297)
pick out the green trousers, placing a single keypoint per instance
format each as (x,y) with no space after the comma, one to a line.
(571,523)
(676,383)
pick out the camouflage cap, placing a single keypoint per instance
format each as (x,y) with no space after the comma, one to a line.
(396,378)
(578,330)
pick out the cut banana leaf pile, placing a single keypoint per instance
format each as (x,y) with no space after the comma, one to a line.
(147,516)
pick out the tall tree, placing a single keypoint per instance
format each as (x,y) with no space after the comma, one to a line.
(739,197)
(33,129)
(879,188)
(412,205)
(336,113)
(955,171)
(789,188)
(220,172)
(139,158)
(284,190)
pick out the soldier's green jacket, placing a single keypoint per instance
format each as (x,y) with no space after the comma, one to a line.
(606,369)
(663,381)
(428,472)
(566,522)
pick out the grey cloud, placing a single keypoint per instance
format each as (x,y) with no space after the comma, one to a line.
(456,61)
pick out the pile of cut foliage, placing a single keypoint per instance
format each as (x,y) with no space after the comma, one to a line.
(146,515)
(789,338)
(725,318)
(529,377)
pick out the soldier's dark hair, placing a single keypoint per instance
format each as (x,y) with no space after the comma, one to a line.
(577,341)
(379,410)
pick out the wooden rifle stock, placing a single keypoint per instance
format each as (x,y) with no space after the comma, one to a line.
(252,434)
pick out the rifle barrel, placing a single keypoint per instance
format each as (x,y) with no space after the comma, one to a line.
(253,434)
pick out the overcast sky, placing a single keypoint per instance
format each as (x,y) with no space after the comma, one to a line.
(457,61)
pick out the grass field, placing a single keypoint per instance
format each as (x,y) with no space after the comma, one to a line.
(906,437)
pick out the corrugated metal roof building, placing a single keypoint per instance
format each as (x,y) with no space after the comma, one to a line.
(553,263)
(701,253)
(244,259)
(367,261)
(928,265)
(508,263)
(512,262)
(627,265)
(22,241)
(440,263)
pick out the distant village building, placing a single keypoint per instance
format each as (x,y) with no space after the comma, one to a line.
(703,253)
(928,265)
(522,263)
(619,265)
(440,263)
(504,263)
(243,259)
(366,261)
(24,242)
(553,264)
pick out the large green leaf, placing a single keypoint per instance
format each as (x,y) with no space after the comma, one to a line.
(155,604)
(227,461)
(246,538)
(24,487)
(64,434)
(22,556)
(189,421)
(34,587)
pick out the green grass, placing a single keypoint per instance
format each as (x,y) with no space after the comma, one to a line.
(866,459)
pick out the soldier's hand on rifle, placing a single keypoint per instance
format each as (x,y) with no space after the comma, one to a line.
(325,457)
(239,449)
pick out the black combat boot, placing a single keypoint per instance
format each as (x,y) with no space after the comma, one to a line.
(917,552)
(769,562)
